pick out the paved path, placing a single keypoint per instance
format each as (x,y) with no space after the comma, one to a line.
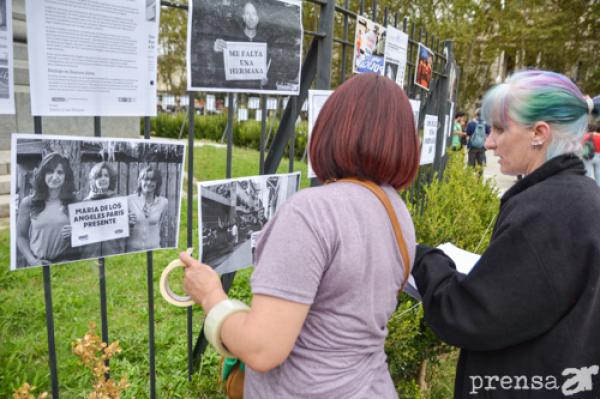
(492,171)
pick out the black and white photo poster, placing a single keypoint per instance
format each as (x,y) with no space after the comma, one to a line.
(248,46)
(82,198)
(92,58)
(7,94)
(232,213)
(316,100)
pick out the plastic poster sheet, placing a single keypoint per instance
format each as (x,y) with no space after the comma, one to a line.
(369,46)
(464,261)
(396,46)
(416,109)
(232,213)
(430,126)
(316,100)
(424,69)
(242,114)
(92,58)
(7,92)
(446,133)
(83,198)
(253,103)
(248,47)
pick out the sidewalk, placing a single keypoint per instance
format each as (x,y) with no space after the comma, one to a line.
(492,171)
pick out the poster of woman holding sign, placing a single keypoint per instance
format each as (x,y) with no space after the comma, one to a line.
(78,198)
(245,46)
(43,229)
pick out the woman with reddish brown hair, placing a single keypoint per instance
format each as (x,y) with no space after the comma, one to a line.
(328,266)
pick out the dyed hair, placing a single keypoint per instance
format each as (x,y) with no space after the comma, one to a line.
(156,177)
(532,96)
(96,172)
(366,129)
(67,192)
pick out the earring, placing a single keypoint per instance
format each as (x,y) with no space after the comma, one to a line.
(537,144)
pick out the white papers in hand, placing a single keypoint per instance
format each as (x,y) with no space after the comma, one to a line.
(464,261)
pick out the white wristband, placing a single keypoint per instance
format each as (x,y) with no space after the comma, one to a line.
(215,319)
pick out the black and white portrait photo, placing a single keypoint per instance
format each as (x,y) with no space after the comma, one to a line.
(232,213)
(82,198)
(252,46)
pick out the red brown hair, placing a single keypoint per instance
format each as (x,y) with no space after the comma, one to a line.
(366,129)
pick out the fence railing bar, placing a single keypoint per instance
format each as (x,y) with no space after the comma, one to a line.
(101,269)
(374,10)
(345,44)
(294,105)
(230,112)
(190,220)
(173,5)
(37,129)
(150,284)
(263,133)
(315,34)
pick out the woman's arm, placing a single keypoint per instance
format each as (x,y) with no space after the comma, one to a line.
(23,225)
(507,298)
(264,337)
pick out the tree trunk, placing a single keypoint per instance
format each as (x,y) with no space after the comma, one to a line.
(422,381)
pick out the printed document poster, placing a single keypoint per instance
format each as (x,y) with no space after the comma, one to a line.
(446,133)
(430,126)
(245,46)
(76,198)
(369,46)
(396,46)
(92,58)
(7,94)
(232,213)
(316,100)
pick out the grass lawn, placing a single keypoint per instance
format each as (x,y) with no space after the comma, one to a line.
(76,301)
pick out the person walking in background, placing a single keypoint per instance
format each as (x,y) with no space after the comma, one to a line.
(147,213)
(530,305)
(102,182)
(477,132)
(328,267)
(457,131)
(591,153)
(43,228)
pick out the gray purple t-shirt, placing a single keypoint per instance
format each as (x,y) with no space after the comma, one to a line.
(333,248)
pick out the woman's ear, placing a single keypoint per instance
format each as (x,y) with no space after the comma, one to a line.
(541,133)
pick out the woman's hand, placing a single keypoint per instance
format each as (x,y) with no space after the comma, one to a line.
(65,232)
(219,45)
(202,283)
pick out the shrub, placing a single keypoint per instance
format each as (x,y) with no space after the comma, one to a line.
(460,208)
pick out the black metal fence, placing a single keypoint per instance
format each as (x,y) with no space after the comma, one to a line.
(328,54)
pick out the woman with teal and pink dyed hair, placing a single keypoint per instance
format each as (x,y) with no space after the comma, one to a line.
(526,316)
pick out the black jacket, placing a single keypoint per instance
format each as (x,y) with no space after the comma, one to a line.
(530,309)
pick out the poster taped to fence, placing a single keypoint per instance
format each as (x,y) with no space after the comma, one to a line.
(7,93)
(316,100)
(430,127)
(100,220)
(92,58)
(396,46)
(245,46)
(65,190)
(369,46)
(232,213)
(424,69)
